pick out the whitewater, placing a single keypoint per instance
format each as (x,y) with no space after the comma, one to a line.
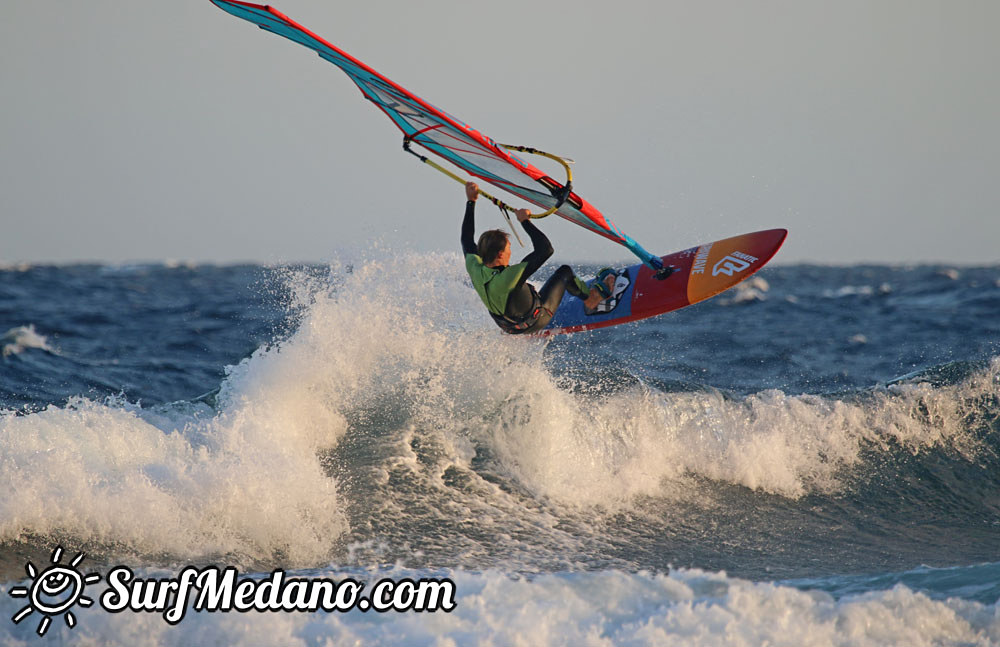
(809,459)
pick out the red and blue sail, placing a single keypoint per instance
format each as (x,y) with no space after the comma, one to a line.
(442,134)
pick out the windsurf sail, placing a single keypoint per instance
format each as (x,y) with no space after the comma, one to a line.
(447,137)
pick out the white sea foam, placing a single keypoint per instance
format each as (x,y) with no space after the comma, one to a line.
(849,291)
(599,609)
(102,474)
(457,375)
(753,289)
(646,442)
(245,481)
(417,355)
(16,340)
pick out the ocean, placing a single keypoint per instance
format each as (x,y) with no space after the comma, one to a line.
(812,458)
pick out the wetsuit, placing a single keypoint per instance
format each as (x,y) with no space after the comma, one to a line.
(512,302)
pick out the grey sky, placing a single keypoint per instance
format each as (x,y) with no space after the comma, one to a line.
(153,130)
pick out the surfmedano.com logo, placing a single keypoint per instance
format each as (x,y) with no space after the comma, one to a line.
(56,589)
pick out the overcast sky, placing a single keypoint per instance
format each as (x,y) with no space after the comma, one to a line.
(172,130)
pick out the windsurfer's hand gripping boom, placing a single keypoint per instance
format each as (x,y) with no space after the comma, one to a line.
(472,193)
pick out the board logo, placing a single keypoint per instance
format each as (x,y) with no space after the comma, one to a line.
(733,264)
(701,259)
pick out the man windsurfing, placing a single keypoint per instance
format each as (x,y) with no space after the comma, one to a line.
(513,302)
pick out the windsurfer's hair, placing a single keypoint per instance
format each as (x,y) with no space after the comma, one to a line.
(490,244)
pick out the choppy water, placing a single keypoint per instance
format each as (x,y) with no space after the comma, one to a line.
(810,459)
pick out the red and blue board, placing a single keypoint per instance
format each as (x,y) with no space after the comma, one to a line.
(700,273)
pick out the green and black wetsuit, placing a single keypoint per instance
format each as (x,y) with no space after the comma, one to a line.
(514,304)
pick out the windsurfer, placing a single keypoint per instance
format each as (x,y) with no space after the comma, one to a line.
(511,300)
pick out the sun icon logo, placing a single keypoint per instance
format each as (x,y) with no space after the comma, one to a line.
(54,591)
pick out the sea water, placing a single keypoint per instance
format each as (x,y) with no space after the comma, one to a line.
(809,459)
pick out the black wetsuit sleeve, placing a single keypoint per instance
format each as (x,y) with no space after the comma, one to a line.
(520,300)
(542,250)
(469,228)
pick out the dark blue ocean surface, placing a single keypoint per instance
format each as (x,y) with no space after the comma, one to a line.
(834,430)
(154,333)
(159,334)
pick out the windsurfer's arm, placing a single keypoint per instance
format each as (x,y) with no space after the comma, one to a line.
(542,248)
(469,223)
